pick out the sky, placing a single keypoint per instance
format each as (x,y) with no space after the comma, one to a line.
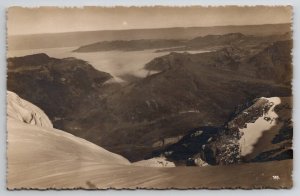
(54,20)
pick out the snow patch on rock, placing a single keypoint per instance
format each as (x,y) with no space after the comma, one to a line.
(253,131)
(155,162)
(114,80)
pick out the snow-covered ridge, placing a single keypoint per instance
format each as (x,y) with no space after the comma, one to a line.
(22,110)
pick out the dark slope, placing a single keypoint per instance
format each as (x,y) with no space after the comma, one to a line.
(263,61)
(274,63)
(56,85)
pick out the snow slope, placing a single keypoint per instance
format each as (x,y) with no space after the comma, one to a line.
(34,143)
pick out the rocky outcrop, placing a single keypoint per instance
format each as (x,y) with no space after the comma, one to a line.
(253,135)
(189,150)
(258,131)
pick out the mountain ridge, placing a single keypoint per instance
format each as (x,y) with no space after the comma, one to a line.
(207,42)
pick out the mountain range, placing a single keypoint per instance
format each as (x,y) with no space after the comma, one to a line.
(152,113)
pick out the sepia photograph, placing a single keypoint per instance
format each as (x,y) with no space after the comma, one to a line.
(150,97)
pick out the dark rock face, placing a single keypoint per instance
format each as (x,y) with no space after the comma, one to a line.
(192,90)
(56,85)
(190,146)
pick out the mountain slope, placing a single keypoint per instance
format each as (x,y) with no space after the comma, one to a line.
(269,61)
(59,84)
(274,62)
(191,90)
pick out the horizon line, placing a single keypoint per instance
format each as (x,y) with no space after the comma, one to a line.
(66,32)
